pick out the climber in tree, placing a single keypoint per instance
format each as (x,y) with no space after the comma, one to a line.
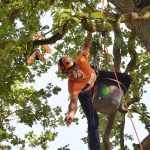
(81,78)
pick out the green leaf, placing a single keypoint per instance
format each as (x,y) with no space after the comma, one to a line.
(96,15)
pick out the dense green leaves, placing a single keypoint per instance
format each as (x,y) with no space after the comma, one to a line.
(22,104)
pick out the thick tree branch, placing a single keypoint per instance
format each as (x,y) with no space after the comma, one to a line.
(14,14)
(145,143)
(85,24)
(57,36)
(133,54)
(140,16)
(141,24)
(117,45)
(122,125)
(133,16)
(124,6)
(88,5)
(108,129)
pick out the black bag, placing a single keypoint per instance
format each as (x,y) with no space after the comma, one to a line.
(107,96)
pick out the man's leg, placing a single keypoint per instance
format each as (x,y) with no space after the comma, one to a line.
(93,121)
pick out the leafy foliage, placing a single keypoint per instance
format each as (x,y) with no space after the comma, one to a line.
(25,105)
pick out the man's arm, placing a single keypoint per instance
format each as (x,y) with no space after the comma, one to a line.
(72,110)
(87,43)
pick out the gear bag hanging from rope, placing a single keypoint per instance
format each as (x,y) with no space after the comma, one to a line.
(110,87)
(107,96)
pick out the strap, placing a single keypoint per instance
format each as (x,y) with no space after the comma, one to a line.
(113,81)
(89,82)
(85,87)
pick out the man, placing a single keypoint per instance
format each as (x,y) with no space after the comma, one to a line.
(81,78)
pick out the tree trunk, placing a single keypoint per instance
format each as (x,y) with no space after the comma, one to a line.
(140,26)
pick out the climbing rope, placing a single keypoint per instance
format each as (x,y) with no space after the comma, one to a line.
(103,36)
(129,113)
(102,9)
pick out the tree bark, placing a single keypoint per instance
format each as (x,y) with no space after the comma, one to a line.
(108,129)
(117,46)
(133,54)
(140,26)
(122,125)
(145,144)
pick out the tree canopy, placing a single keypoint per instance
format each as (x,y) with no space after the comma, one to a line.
(20,21)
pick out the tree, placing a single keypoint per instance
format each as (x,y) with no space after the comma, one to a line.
(70,21)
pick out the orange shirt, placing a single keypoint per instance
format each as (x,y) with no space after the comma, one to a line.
(75,86)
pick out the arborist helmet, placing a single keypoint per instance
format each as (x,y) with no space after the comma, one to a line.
(65,63)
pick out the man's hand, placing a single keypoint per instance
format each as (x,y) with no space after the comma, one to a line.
(87,43)
(69,119)
(72,110)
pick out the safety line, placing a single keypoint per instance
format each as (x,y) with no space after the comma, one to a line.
(107,53)
(102,9)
